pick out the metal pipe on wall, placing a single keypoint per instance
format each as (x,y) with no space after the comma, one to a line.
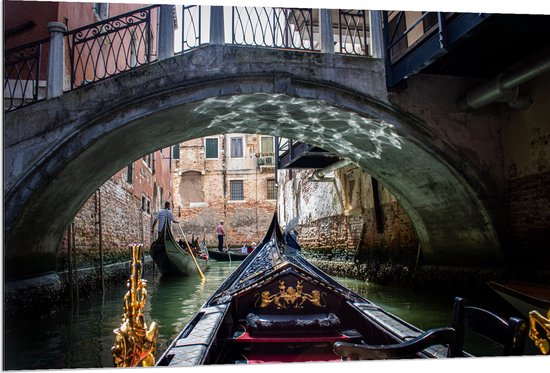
(319,175)
(504,88)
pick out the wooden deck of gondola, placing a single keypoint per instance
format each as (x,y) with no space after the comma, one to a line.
(190,347)
(278,307)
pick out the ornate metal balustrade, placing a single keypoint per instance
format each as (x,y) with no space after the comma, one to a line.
(191,27)
(109,47)
(22,74)
(352,31)
(289,28)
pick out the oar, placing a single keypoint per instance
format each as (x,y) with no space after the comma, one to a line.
(191,253)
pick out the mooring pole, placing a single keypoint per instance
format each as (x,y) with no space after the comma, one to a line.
(70,263)
(100,234)
(74,260)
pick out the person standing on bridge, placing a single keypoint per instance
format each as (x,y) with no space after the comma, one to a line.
(221,233)
(164,216)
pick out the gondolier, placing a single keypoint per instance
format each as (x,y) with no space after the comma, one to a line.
(221,233)
(163,216)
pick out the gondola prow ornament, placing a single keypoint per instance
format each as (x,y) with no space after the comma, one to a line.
(536,319)
(135,343)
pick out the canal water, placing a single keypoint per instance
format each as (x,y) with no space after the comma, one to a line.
(82,336)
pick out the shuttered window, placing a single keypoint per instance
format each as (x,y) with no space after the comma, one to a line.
(211,146)
(236,147)
(266,146)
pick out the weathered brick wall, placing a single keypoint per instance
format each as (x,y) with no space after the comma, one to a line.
(338,217)
(202,190)
(530,217)
(123,222)
(526,145)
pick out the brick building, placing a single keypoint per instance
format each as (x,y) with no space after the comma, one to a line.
(228,177)
(120,213)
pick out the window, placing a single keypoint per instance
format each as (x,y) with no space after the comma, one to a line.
(236,147)
(147,160)
(176,151)
(211,148)
(145,204)
(130,173)
(236,190)
(271,189)
(101,11)
(266,145)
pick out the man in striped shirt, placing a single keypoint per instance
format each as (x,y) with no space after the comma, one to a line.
(164,216)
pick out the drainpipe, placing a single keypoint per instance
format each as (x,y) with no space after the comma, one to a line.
(319,175)
(504,88)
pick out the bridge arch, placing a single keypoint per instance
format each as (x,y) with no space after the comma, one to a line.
(100,129)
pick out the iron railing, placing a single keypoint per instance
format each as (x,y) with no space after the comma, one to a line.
(288,28)
(109,47)
(22,75)
(191,27)
(352,31)
(398,29)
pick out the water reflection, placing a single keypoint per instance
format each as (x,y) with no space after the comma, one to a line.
(82,337)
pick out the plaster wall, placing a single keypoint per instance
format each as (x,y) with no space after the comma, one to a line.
(337,218)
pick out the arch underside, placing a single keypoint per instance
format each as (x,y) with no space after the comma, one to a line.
(452,224)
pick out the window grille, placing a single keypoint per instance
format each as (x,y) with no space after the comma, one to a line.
(236,190)
(271,189)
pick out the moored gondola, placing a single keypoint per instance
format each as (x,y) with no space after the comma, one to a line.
(173,258)
(226,256)
(278,307)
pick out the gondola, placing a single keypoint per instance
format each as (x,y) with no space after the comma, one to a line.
(172,258)
(226,256)
(278,307)
(524,296)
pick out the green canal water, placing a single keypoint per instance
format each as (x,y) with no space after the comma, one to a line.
(82,336)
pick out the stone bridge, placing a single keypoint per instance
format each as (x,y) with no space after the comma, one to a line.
(58,152)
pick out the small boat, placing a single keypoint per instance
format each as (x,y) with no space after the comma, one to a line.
(277,307)
(173,258)
(226,256)
(524,296)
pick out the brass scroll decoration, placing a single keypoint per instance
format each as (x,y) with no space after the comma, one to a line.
(135,343)
(537,320)
(289,297)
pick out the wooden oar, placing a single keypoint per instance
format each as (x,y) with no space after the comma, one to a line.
(191,253)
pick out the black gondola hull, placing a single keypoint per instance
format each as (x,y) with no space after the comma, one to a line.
(278,307)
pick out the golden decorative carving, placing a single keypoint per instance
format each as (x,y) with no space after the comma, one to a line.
(290,297)
(135,343)
(537,320)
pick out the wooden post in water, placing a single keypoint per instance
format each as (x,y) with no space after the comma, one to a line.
(100,234)
(70,263)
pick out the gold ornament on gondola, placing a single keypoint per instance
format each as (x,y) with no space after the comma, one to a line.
(135,343)
(290,297)
(537,320)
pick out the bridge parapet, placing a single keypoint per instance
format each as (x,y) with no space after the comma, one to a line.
(127,41)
